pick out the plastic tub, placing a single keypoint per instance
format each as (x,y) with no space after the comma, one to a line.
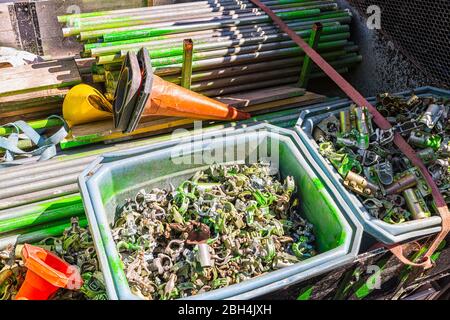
(382,231)
(108,181)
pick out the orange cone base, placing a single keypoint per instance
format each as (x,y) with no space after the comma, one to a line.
(46,274)
(168,99)
(35,288)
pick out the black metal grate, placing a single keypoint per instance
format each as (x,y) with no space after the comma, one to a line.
(420,29)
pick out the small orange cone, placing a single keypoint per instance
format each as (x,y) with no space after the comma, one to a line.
(168,99)
(46,274)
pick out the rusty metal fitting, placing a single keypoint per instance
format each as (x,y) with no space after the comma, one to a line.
(445,149)
(413,101)
(405,182)
(419,139)
(353,108)
(416,205)
(363,128)
(345,122)
(423,140)
(396,200)
(360,185)
(329,126)
(385,173)
(427,155)
(340,141)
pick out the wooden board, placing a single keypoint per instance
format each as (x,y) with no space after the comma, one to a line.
(32,116)
(23,100)
(55,108)
(253,97)
(39,76)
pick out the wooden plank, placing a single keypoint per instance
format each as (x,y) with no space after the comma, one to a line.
(308,98)
(31,98)
(29,117)
(253,97)
(55,108)
(39,76)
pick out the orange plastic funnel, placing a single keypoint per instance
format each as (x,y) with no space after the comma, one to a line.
(46,274)
(168,99)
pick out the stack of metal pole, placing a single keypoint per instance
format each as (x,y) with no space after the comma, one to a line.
(236,46)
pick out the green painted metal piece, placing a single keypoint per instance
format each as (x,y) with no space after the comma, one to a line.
(305,293)
(325,6)
(186,68)
(38,233)
(366,288)
(38,124)
(346,283)
(75,19)
(21,144)
(307,63)
(290,1)
(434,142)
(41,213)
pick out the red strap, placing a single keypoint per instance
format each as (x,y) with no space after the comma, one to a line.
(380,121)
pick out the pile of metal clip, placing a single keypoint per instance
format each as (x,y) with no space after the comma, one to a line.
(371,166)
(226,224)
(76,247)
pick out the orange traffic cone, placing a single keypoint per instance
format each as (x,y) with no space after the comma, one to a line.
(46,274)
(140,93)
(168,99)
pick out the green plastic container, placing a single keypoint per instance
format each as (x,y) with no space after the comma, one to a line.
(107,182)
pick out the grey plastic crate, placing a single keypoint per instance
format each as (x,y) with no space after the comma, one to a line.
(382,231)
(114,177)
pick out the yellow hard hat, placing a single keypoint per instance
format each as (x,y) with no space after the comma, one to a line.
(84,104)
